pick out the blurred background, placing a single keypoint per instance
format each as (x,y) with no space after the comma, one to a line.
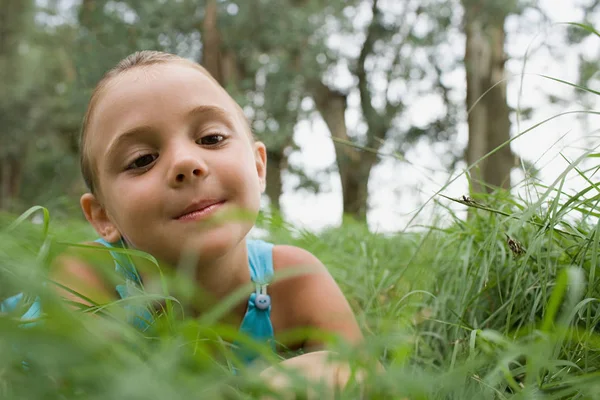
(368,107)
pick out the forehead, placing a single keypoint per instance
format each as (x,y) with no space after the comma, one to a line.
(152,96)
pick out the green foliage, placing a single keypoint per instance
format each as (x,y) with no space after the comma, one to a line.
(503,305)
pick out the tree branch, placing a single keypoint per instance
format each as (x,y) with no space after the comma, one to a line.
(372,117)
(379,122)
(392,109)
(332,105)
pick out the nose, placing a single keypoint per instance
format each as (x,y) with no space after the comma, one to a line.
(187,166)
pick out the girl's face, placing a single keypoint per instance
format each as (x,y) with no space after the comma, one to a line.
(171,152)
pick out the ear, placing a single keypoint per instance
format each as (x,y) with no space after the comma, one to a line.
(260,156)
(96,215)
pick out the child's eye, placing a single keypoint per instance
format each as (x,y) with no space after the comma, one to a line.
(142,161)
(211,140)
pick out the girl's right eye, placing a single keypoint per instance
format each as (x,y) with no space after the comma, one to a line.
(142,161)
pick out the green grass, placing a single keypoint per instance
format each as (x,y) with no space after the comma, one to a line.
(501,305)
(452,312)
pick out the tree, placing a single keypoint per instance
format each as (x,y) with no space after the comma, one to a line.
(489,113)
(388,56)
(16,21)
(588,63)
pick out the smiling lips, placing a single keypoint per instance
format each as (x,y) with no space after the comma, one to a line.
(200,210)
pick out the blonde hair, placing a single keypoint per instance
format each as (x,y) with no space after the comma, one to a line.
(138,59)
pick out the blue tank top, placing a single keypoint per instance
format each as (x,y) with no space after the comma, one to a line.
(257,320)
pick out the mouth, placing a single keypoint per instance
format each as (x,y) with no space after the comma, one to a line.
(200,210)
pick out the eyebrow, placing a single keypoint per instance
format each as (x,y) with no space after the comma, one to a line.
(196,112)
(125,137)
(214,111)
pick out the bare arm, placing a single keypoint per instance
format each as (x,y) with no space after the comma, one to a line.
(315,300)
(71,270)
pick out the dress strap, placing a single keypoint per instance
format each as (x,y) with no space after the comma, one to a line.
(257,321)
(123,262)
(12,303)
(260,259)
(138,315)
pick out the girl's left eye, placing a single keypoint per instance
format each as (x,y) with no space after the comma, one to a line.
(211,140)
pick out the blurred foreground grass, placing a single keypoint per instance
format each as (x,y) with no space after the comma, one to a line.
(502,305)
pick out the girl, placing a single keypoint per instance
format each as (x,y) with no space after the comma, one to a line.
(167,155)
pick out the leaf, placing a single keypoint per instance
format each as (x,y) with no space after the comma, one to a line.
(28,214)
(585,89)
(585,27)
(570,283)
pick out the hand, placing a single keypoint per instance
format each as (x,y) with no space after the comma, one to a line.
(318,367)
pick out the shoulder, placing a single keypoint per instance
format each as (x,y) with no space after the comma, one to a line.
(297,266)
(285,256)
(311,294)
(79,269)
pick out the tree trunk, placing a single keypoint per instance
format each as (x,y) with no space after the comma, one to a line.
(11,171)
(476,66)
(355,187)
(353,165)
(212,50)
(15,19)
(5,174)
(488,119)
(211,41)
(497,170)
(276,162)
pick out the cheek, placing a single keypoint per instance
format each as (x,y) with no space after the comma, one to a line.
(241,180)
(134,197)
(249,176)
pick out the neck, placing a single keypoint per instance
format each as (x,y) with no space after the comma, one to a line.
(221,277)
(215,279)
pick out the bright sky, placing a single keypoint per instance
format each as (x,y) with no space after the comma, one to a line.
(397,188)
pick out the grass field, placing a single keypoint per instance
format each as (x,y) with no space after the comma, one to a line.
(501,305)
